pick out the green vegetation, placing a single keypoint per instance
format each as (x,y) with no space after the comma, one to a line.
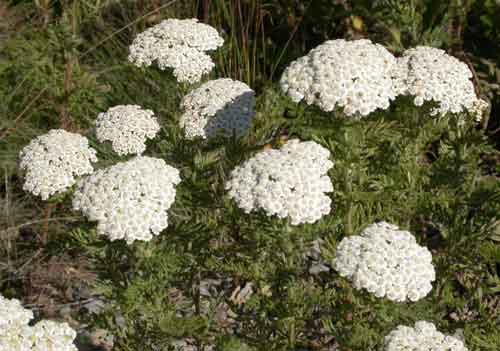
(62,62)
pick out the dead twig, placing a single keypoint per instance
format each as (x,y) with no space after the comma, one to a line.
(38,306)
(56,219)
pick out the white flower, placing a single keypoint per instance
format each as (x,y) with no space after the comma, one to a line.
(188,64)
(17,335)
(53,336)
(177,44)
(189,344)
(127,127)
(423,337)
(12,314)
(289,182)
(429,74)
(354,75)
(129,200)
(17,339)
(14,329)
(386,262)
(479,108)
(53,161)
(218,105)
(43,336)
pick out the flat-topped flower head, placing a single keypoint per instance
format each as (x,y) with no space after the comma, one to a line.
(221,105)
(289,182)
(17,335)
(430,74)
(127,127)
(129,200)
(353,75)
(12,314)
(43,336)
(423,337)
(17,339)
(386,262)
(53,161)
(50,335)
(177,44)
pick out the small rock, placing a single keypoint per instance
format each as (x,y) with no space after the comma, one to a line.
(318,268)
(223,315)
(208,287)
(65,311)
(240,296)
(102,338)
(95,306)
(120,321)
(266,291)
(314,251)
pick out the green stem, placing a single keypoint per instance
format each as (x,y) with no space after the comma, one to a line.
(291,335)
(348,188)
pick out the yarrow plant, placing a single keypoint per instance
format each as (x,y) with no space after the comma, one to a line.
(289,182)
(423,337)
(127,127)
(386,262)
(17,335)
(177,44)
(221,105)
(353,75)
(129,200)
(53,161)
(429,74)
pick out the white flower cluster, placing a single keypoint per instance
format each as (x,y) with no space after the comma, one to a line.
(127,127)
(52,162)
(429,74)
(177,44)
(360,77)
(17,335)
(289,182)
(479,108)
(423,337)
(219,105)
(13,314)
(387,262)
(354,75)
(129,200)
